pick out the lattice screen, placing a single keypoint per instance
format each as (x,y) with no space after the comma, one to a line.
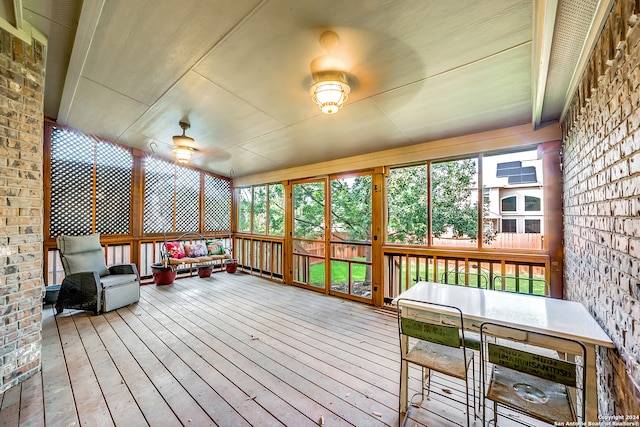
(217,204)
(113,189)
(158,195)
(187,199)
(73,158)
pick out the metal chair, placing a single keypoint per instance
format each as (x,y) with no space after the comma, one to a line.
(461,277)
(501,282)
(528,377)
(440,346)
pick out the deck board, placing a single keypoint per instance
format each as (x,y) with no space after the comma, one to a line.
(226,350)
(59,406)
(31,402)
(153,407)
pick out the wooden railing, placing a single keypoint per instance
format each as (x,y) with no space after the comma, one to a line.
(512,272)
(260,255)
(143,252)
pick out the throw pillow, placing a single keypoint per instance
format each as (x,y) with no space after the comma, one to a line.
(215,247)
(195,250)
(175,249)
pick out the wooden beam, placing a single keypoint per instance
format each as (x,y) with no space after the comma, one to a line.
(544,20)
(494,140)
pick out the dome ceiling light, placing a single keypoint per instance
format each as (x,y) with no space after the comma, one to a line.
(184,146)
(331,88)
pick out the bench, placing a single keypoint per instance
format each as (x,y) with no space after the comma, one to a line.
(193,250)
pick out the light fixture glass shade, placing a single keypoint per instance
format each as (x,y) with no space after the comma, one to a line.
(183,154)
(183,140)
(330,95)
(183,145)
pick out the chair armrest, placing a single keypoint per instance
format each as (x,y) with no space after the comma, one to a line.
(124,269)
(81,291)
(82,279)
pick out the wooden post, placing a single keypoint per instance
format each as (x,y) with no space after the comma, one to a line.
(553,218)
(378,227)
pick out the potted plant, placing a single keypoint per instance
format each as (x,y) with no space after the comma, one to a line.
(163,272)
(231,265)
(205,270)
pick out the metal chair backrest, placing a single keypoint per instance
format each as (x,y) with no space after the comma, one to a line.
(503,346)
(439,334)
(437,323)
(548,368)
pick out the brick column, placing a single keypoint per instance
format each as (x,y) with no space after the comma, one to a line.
(602,204)
(21,188)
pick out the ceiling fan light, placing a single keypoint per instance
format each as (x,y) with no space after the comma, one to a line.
(330,95)
(182,154)
(183,145)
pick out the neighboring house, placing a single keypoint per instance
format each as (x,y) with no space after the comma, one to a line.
(513,188)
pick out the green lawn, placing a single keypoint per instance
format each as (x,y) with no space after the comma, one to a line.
(510,283)
(339,272)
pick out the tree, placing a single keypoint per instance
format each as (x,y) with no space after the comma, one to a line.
(407,205)
(454,205)
(454,199)
(273,209)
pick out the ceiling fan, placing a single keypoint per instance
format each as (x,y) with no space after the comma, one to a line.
(331,88)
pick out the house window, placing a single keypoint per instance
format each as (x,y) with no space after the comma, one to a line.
(276,210)
(509,204)
(245,200)
(531,203)
(261,209)
(532,226)
(509,226)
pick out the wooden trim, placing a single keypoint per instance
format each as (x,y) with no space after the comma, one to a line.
(539,258)
(480,195)
(287,261)
(522,136)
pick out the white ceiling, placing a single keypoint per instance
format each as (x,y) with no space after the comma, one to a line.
(238,71)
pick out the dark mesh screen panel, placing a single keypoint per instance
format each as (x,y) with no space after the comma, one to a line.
(217,204)
(114,167)
(187,197)
(158,195)
(72,156)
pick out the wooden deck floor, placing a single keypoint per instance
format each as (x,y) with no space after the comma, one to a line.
(230,350)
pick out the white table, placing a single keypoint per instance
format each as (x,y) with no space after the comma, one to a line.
(566,319)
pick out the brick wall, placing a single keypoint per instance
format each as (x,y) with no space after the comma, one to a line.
(602,204)
(21,187)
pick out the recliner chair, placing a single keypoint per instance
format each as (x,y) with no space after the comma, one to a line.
(89,284)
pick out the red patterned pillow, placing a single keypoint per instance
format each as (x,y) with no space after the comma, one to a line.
(175,249)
